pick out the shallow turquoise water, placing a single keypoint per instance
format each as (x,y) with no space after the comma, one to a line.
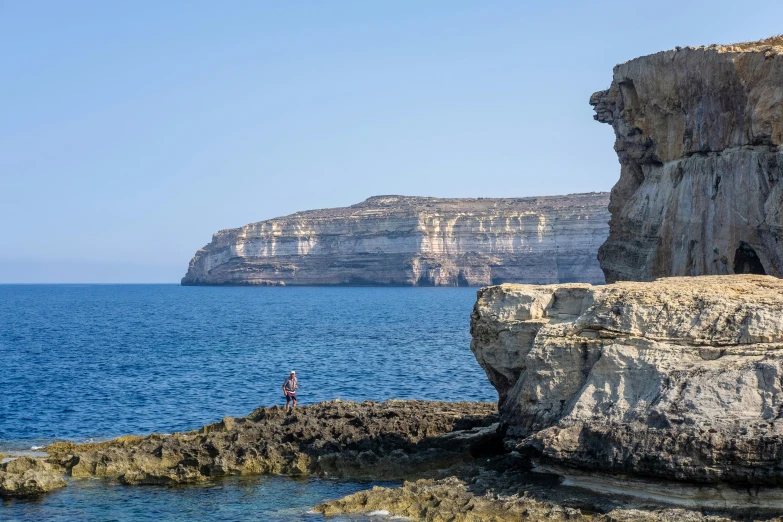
(85,362)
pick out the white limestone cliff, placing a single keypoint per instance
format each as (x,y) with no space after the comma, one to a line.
(417,241)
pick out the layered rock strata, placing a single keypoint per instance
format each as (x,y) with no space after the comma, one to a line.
(414,241)
(681,378)
(698,133)
(504,488)
(453,499)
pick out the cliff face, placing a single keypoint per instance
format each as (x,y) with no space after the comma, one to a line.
(681,378)
(397,240)
(698,134)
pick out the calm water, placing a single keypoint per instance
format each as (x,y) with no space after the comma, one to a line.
(272,499)
(97,361)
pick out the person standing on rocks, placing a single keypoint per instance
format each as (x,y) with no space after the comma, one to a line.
(289,389)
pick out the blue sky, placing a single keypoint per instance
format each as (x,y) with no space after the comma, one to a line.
(130,132)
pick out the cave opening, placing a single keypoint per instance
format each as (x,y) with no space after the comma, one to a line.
(746,261)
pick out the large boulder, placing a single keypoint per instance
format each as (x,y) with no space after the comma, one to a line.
(698,135)
(680,378)
(27,477)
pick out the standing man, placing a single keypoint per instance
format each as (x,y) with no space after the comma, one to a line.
(289,389)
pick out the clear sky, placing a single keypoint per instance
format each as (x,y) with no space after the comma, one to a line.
(132,131)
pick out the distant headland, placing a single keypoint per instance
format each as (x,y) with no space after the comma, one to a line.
(415,241)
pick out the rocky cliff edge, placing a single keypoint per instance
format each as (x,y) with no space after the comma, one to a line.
(680,378)
(698,133)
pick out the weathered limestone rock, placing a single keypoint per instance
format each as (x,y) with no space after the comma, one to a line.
(448,500)
(394,440)
(452,500)
(699,133)
(681,378)
(496,493)
(27,477)
(398,240)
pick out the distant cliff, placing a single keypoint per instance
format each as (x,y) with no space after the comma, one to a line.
(699,135)
(414,241)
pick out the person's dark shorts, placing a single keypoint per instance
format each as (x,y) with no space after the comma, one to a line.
(290,396)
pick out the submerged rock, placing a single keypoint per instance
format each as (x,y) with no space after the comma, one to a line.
(414,241)
(699,132)
(681,378)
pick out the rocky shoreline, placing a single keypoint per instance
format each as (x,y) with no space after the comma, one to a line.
(338,439)
(656,401)
(451,456)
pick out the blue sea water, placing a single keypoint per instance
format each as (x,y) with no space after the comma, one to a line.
(82,362)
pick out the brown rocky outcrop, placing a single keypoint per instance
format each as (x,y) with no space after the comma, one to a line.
(455,500)
(414,241)
(28,477)
(394,439)
(501,490)
(448,500)
(699,132)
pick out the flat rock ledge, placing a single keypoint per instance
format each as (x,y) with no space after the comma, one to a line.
(504,489)
(339,439)
(453,500)
(677,379)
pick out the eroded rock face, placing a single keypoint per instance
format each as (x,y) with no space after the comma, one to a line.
(681,378)
(28,477)
(698,135)
(397,240)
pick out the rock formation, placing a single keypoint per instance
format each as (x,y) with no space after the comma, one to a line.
(445,501)
(699,133)
(397,240)
(394,439)
(452,499)
(453,453)
(681,378)
(28,477)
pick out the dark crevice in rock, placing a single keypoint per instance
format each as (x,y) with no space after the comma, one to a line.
(746,261)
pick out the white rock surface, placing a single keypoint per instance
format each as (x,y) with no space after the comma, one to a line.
(677,378)
(398,240)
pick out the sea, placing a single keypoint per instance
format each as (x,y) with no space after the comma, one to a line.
(92,362)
